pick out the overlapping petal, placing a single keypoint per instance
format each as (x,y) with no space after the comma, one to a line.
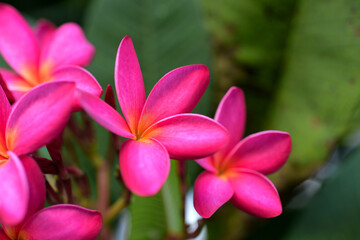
(177,92)
(67,46)
(207,163)
(18,44)
(129,83)
(3,236)
(39,116)
(189,136)
(5,110)
(104,114)
(37,190)
(144,165)
(63,221)
(14,191)
(210,193)
(83,79)
(265,152)
(44,31)
(231,113)
(15,83)
(255,194)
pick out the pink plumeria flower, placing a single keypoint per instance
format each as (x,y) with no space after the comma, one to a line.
(236,172)
(32,122)
(46,54)
(158,127)
(58,222)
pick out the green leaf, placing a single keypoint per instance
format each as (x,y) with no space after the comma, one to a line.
(318,101)
(332,214)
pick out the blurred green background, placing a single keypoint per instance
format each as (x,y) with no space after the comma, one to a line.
(298,62)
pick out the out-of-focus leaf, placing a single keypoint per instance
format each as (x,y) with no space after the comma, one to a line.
(250,37)
(332,214)
(318,100)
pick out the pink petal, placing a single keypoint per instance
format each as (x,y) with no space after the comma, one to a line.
(144,165)
(5,110)
(83,79)
(207,163)
(177,92)
(14,191)
(67,46)
(255,194)
(62,221)
(264,152)
(189,136)
(44,30)
(15,83)
(18,44)
(36,185)
(39,116)
(104,114)
(210,193)
(129,83)
(3,235)
(231,113)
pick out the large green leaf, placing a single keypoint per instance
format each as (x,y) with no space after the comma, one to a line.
(318,100)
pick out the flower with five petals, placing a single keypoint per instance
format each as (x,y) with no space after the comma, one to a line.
(46,54)
(237,171)
(159,127)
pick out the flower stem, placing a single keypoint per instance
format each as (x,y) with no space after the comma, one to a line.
(118,206)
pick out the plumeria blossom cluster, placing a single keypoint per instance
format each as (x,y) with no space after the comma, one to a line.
(47,84)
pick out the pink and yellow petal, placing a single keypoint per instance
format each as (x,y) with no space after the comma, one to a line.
(255,194)
(210,193)
(83,79)
(67,46)
(177,92)
(39,116)
(189,136)
(18,44)
(15,83)
(264,152)
(5,110)
(129,83)
(3,235)
(104,114)
(144,165)
(14,191)
(231,113)
(62,221)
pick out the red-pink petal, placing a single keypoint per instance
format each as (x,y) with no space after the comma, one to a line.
(177,92)
(3,235)
(189,136)
(231,113)
(264,152)
(207,163)
(18,44)
(5,110)
(255,194)
(44,30)
(63,221)
(83,79)
(144,166)
(39,116)
(36,185)
(14,191)
(104,114)
(129,83)
(15,83)
(210,193)
(67,46)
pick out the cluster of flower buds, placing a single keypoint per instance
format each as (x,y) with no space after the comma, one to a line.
(48,84)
